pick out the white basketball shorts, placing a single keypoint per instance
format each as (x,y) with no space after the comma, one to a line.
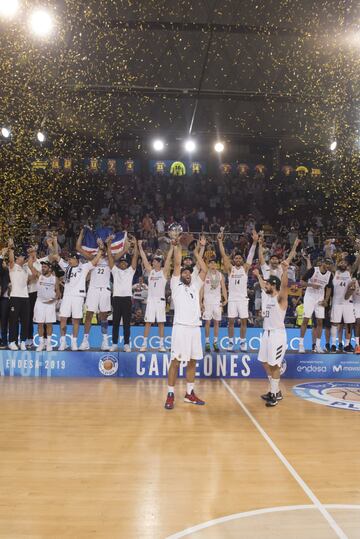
(44,313)
(238,308)
(212,311)
(186,343)
(343,313)
(273,346)
(98,300)
(71,306)
(311,305)
(155,311)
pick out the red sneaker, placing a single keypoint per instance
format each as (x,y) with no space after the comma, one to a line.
(169,404)
(357,350)
(193,399)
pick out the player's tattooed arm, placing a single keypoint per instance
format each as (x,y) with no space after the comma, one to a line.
(200,262)
(261,251)
(135,255)
(284,290)
(177,258)
(292,253)
(79,248)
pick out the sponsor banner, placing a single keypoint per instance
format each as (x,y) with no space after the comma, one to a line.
(136,340)
(343,395)
(156,365)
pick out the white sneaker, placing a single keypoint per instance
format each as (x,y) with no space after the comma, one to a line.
(105,346)
(162,349)
(49,347)
(230,348)
(74,346)
(84,345)
(301,349)
(127,348)
(23,346)
(243,347)
(41,346)
(319,350)
(13,346)
(141,349)
(114,348)
(63,346)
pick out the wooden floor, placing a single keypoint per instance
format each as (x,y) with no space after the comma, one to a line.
(83,458)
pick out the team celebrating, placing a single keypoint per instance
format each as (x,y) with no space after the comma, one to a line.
(103,282)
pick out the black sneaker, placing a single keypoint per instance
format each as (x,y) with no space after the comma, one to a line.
(313,348)
(272,401)
(340,348)
(216,347)
(327,347)
(267,396)
(207,347)
(333,349)
(349,349)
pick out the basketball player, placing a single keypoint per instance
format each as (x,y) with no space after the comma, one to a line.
(48,291)
(342,304)
(74,294)
(156,304)
(211,302)
(238,304)
(273,340)
(186,334)
(98,298)
(274,267)
(318,284)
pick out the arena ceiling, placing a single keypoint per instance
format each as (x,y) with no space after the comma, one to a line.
(277,70)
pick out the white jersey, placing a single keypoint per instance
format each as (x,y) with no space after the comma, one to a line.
(238,281)
(320,279)
(212,288)
(341,281)
(274,315)
(75,278)
(45,288)
(266,270)
(100,276)
(156,285)
(186,301)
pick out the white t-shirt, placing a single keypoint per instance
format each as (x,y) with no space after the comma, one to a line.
(45,287)
(123,281)
(19,281)
(186,301)
(156,283)
(100,276)
(160,226)
(75,278)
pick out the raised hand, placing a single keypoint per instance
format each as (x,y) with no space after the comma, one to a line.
(285,265)
(202,241)
(255,236)
(256,272)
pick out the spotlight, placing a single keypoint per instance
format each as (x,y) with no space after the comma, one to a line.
(41,22)
(333,145)
(8,8)
(40,136)
(190,146)
(219,147)
(5,132)
(158,145)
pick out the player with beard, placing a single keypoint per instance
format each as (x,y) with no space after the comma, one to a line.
(318,284)
(156,304)
(212,304)
(186,335)
(238,304)
(342,305)
(274,267)
(273,340)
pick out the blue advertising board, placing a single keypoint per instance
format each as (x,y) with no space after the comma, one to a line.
(155,365)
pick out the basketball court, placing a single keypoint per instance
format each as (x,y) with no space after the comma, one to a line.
(102,458)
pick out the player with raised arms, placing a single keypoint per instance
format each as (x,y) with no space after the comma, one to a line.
(273,340)
(186,343)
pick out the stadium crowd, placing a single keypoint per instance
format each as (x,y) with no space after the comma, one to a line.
(145,209)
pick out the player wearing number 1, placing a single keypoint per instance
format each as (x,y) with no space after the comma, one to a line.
(273,340)
(156,304)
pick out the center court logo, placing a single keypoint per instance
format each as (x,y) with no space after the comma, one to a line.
(344,395)
(108,365)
